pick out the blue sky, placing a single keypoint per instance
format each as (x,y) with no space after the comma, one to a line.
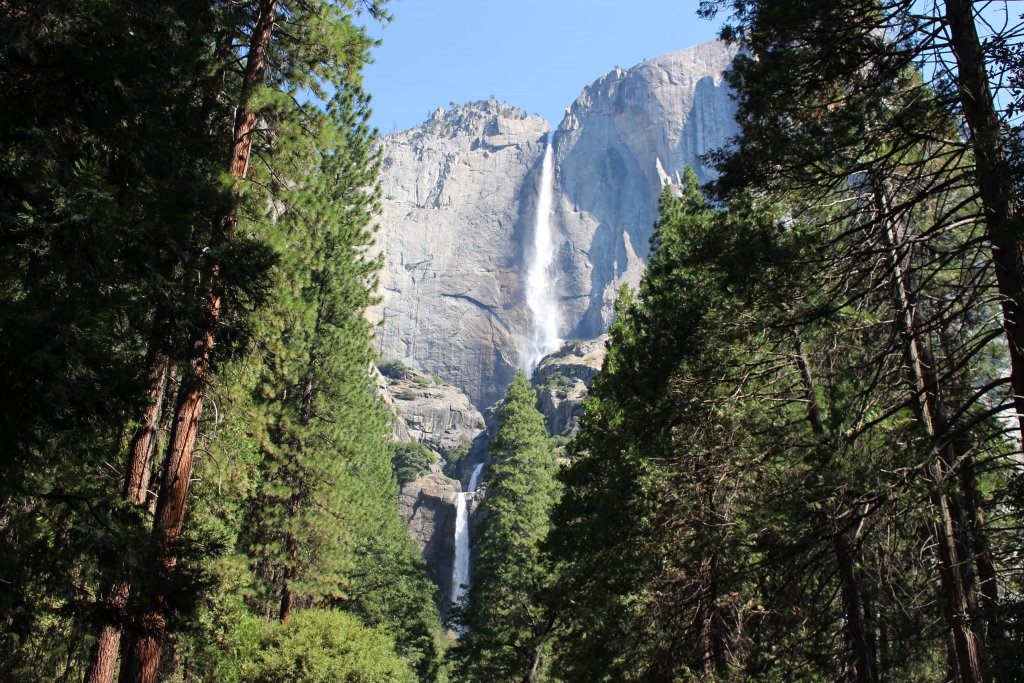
(535,54)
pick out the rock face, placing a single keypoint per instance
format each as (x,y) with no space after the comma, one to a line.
(457,193)
(562,379)
(459,197)
(427,506)
(440,417)
(628,134)
(434,413)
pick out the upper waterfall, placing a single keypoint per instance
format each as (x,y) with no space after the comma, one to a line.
(540,283)
(461,199)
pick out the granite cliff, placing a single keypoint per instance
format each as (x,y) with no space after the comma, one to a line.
(442,419)
(459,197)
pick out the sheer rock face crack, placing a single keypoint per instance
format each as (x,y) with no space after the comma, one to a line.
(459,200)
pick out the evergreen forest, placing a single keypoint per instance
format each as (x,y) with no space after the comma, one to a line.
(802,459)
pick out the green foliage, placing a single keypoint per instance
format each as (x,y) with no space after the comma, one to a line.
(322,646)
(505,629)
(733,496)
(113,201)
(110,173)
(411,460)
(322,528)
(640,556)
(558,382)
(458,455)
(909,173)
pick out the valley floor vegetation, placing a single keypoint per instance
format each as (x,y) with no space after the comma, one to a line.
(802,458)
(801,461)
(196,482)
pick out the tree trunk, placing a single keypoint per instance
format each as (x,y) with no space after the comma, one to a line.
(142,658)
(170,398)
(982,551)
(296,499)
(140,452)
(103,659)
(955,569)
(862,664)
(995,183)
(975,514)
(531,675)
(291,558)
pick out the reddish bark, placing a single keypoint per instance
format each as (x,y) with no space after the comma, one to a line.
(103,659)
(142,657)
(140,452)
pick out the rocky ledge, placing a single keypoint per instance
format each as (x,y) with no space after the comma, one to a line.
(562,379)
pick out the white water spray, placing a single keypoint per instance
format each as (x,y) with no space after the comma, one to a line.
(540,294)
(460,566)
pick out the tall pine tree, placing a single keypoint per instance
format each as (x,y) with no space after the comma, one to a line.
(505,628)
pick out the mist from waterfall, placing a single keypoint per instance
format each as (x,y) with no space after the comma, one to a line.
(540,284)
(460,565)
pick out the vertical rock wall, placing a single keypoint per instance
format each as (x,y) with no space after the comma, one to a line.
(459,194)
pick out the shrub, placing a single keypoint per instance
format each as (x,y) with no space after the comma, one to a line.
(325,646)
(395,369)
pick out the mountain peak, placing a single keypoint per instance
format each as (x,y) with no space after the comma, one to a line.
(459,211)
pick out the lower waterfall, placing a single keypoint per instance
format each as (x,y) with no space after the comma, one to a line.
(460,566)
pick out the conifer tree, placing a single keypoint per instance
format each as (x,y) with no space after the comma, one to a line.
(130,269)
(109,179)
(648,582)
(318,44)
(505,629)
(325,512)
(858,124)
(777,503)
(817,69)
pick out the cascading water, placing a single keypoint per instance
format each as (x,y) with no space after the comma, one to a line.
(539,282)
(460,566)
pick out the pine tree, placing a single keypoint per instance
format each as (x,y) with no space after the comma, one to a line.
(815,70)
(749,486)
(319,45)
(133,269)
(859,125)
(506,630)
(324,519)
(646,541)
(109,176)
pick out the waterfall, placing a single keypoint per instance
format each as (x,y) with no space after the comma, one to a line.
(539,281)
(460,566)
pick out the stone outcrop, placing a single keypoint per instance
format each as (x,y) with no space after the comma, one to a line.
(436,414)
(456,211)
(440,417)
(459,194)
(562,380)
